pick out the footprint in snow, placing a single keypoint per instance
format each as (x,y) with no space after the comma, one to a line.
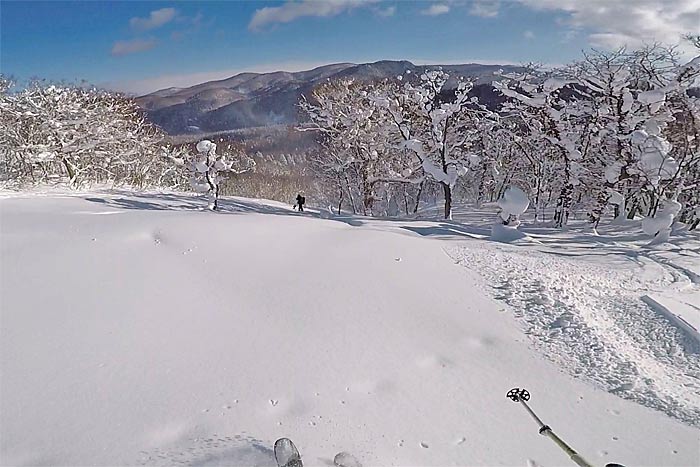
(345,459)
(424,445)
(478,342)
(433,361)
(237,450)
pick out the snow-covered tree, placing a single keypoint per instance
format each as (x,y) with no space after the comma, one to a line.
(555,123)
(389,138)
(438,125)
(208,169)
(357,154)
(52,133)
(617,127)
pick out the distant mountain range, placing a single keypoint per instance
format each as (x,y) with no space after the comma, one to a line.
(251,100)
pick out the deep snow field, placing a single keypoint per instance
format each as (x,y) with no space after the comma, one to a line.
(137,329)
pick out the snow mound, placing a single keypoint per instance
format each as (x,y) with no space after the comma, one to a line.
(206,146)
(514,202)
(660,224)
(507,234)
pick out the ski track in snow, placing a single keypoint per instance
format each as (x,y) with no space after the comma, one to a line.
(214,451)
(590,320)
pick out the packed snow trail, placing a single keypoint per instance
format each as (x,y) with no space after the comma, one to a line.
(589,319)
(137,329)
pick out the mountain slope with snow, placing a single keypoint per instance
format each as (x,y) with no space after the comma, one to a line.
(261,99)
(140,330)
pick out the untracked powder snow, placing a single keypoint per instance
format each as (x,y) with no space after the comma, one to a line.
(142,329)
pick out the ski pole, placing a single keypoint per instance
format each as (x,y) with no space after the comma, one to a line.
(522,396)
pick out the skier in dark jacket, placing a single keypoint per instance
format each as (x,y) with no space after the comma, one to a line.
(300,202)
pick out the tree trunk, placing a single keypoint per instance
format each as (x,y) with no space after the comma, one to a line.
(70,170)
(561,214)
(352,199)
(482,187)
(654,204)
(367,202)
(405,199)
(216,197)
(448,200)
(564,201)
(368,194)
(633,209)
(340,201)
(420,192)
(538,191)
(213,191)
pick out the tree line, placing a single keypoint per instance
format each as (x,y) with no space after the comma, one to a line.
(614,129)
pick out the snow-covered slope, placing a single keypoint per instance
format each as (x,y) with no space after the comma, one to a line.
(137,329)
(250,100)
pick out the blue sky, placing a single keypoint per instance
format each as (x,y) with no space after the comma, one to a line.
(144,46)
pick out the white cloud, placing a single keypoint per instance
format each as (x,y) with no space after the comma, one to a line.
(191,25)
(133,46)
(292,10)
(436,9)
(614,24)
(528,34)
(385,12)
(485,8)
(156,19)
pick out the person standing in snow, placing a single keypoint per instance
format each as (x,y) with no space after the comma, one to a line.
(300,202)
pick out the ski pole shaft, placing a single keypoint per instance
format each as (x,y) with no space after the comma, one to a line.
(547,431)
(521,395)
(573,455)
(529,410)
